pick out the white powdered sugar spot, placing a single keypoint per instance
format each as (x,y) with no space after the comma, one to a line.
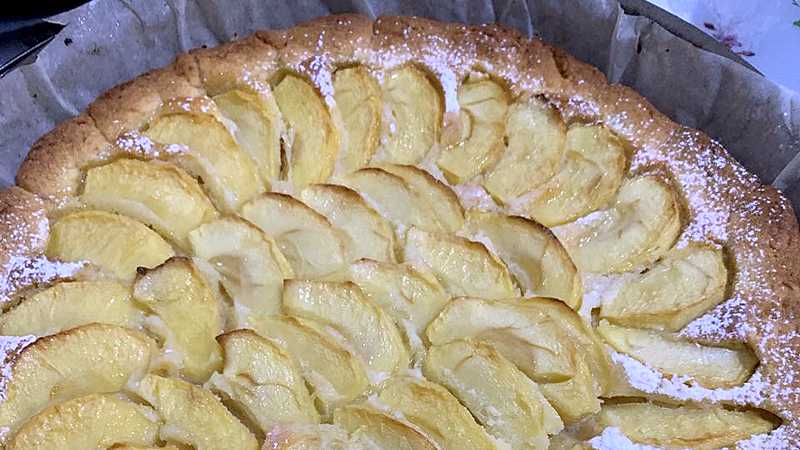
(23,271)
(613,439)
(649,380)
(778,439)
(136,144)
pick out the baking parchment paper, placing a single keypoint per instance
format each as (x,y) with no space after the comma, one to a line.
(110,41)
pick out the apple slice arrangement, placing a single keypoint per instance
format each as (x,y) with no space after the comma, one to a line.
(295,241)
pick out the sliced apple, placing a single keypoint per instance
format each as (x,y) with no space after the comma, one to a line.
(312,437)
(193,416)
(358,98)
(71,304)
(261,382)
(577,398)
(536,142)
(415,107)
(313,247)
(393,198)
(185,314)
(464,267)
(314,142)
(566,441)
(704,428)
(410,296)
(155,193)
(114,243)
(381,429)
(335,376)
(363,325)
(136,447)
(251,265)
(712,367)
(532,253)
(639,228)
(589,176)
(527,336)
(368,235)
(439,198)
(483,108)
(89,422)
(94,358)
(544,338)
(258,127)
(673,292)
(436,412)
(591,348)
(500,396)
(213,155)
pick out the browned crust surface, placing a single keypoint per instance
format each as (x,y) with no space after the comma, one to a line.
(725,203)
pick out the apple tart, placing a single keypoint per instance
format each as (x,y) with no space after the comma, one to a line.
(392,234)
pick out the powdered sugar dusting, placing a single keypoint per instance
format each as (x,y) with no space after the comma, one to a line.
(782,438)
(649,380)
(613,439)
(23,271)
(135,144)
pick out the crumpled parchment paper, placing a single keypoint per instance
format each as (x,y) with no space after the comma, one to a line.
(109,41)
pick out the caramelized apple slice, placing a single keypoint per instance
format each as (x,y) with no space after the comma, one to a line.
(114,243)
(314,142)
(185,314)
(261,382)
(536,138)
(71,304)
(213,155)
(335,376)
(465,268)
(436,412)
(410,296)
(393,198)
(368,235)
(534,256)
(681,427)
(484,104)
(358,98)
(155,193)
(89,422)
(676,290)
(251,265)
(94,358)
(438,197)
(363,325)
(527,336)
(382,429)
(310,243)
(194,416)
(258,128)
(639,228)
(499,395)
(415,106)
(589,176)
(712,367)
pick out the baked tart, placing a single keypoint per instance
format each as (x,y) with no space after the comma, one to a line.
(392,234)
